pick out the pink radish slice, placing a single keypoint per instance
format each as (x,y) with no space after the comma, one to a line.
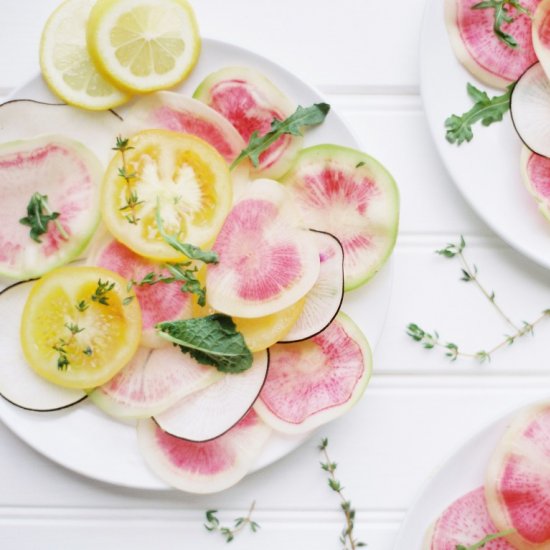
(159,302)
(465,522)
(323,301)
(207,467)
(312,382)
(19,384)
(541,35)
(68,174)
(152,382)
(481,51)
(535,171)
(266,261)
(176,112)
(517,485)
(211,412)
(250,102)
(352,196)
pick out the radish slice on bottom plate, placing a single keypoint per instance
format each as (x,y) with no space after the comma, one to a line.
(535,172)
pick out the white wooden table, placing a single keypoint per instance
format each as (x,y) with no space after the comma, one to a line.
(418,407)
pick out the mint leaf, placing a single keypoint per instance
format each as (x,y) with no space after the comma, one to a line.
(302,117)
(487,110)
(212,340)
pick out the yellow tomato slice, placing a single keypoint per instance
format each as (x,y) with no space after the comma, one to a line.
(178,176)
(80,326)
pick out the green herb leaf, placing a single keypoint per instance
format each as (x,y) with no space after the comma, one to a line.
(503,14)
(39,216)
(485,540)
(487,110)
(302,117)
(211,340)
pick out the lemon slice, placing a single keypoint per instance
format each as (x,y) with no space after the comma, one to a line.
(66,64)
(144,45)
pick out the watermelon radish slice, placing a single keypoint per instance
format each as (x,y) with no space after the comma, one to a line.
(209,413)
(541,34)
(266,262)
(68,174)
(323,301)
(353,197)
(176,112)
(464,523)
(19,384)
(517,485)
(481,51)
(250,102)
(315,381)
(159,302)
(207,467)
(530,109)
(535,172)
(152,382)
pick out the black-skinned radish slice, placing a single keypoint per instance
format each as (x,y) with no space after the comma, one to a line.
(517,484)
(67,174)
(267,261)
(323,301)
(209,413)
(352,196)
(250,101)
(463,523)
(541,34)
(480,50)
(207,467)
(19,384)
(535,172)
(152,382)
(530,109)
(312,382)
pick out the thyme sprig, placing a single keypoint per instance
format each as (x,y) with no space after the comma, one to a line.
(485,540)
(469,272)
(39,215)
(132,199)
(62,343)
(346,536)
(213,524)
(101,292)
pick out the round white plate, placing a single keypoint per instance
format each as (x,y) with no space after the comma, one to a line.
(486,170)
(464,471)
(84,439)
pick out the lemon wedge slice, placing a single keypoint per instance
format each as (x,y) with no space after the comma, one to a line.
(143,45)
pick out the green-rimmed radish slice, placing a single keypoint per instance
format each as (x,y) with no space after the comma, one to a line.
(517,483)
(152,382)
(267,262)
(352,196)
(158,302)
(19,384)
(323,301)
(67,173)
(541,34)
(530,109)
(312,382)
(480,50)
(209,413)
(28,119)
(535,172)
(207,467)
(176,112)
(250,101)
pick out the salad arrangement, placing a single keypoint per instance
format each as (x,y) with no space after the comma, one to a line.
(217,250)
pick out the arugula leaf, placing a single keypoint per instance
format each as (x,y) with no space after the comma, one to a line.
(485,540)
(303,116)
(211,340)
(485,109)
(39,216)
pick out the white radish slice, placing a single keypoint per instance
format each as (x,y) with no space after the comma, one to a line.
(541,35)
(211,412)
(19,384)
(267,262)
(312,382)
(207,467)
(152,382)
(463,523)
(517,485)
(323,301)
(535,172)
(480,50)
(530,109)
